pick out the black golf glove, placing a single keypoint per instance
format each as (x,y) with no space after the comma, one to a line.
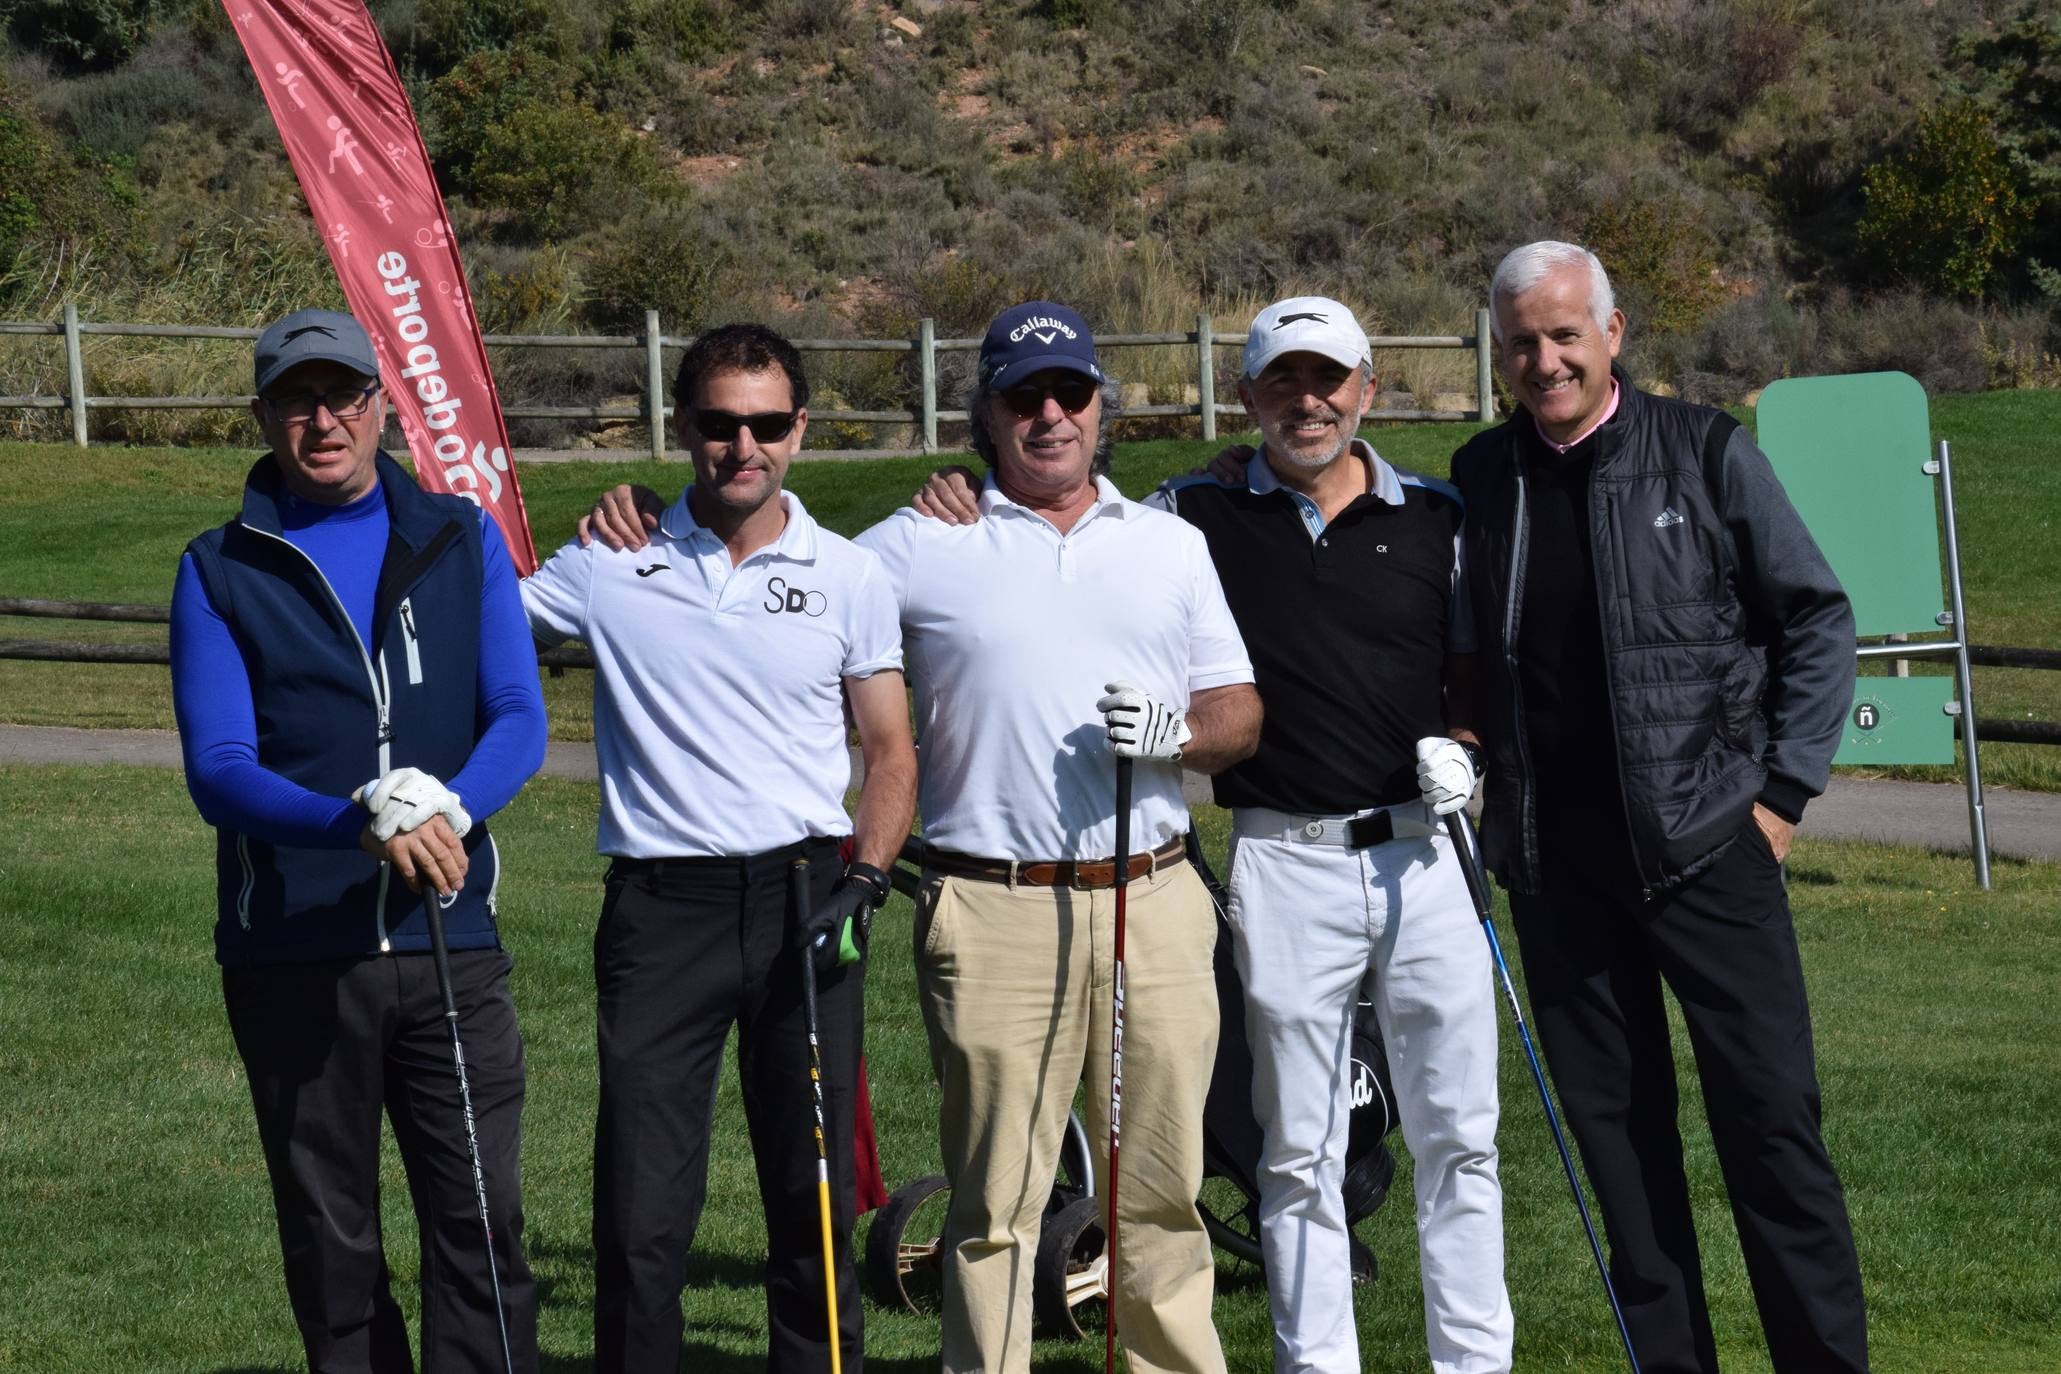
(838,930)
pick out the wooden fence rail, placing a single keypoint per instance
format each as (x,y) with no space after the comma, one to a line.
(578,656)
(1204,340)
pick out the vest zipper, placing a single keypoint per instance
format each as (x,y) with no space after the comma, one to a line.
(250,880)
(376,678)
(409,638)
(1596,508)
(1527,820)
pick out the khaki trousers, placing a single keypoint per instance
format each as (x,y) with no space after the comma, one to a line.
(1016,987)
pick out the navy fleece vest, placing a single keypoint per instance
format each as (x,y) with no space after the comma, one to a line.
(333,713)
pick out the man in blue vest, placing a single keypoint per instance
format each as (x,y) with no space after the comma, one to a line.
(348,634)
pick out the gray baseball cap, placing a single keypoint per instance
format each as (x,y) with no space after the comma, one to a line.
(308,336)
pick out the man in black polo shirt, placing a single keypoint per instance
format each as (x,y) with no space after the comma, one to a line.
(1668,660)
(1342,574)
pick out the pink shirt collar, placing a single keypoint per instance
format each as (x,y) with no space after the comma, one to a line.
(1601,420)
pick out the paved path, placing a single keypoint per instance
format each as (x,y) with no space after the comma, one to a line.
(2025,825)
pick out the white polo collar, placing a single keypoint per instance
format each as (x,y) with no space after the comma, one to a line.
(1261,479)
(797,541)
(993,500)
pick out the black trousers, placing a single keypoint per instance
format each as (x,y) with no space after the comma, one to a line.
(1595,952)
(685,948)
(328,1047)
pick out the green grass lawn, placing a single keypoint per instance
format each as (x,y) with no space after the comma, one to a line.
(135,1228)
(107,524)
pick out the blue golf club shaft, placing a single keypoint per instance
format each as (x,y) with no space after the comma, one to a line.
(1462,831)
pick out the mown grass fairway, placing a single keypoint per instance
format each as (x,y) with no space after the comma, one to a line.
(135,1227)
(107,524)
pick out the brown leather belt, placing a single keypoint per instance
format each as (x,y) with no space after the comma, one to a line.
(1084,873)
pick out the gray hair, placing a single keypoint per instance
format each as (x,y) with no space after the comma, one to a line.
(1523,268)
(1105,442)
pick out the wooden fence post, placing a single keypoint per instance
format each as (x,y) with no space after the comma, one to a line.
(655,383)
(1206,376)
(1484,383)
(75,372)
(926,362)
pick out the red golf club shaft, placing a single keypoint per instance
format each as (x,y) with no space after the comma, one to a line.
(1116,1042)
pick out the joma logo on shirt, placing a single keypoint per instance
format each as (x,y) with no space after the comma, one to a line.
(781,597)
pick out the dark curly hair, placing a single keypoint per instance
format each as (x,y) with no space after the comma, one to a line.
(739,348)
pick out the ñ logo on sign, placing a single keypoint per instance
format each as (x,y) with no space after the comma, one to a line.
(1866,716)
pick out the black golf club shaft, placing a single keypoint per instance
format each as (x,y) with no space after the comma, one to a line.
(799,878)
(1462,831)
(433,911)
(1122,881)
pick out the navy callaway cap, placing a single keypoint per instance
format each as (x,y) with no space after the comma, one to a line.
(1035,337)
(312,336)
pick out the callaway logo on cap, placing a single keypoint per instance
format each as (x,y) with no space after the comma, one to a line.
(1037,336)
(1305,324)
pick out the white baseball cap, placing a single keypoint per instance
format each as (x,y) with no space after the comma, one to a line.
(1306,324)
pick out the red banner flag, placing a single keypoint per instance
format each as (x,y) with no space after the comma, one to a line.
(337,99)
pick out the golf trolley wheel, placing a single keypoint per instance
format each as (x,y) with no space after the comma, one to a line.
(904,1250)
(1231,1218)
(1071,1276)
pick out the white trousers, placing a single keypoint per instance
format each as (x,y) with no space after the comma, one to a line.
(1313,923)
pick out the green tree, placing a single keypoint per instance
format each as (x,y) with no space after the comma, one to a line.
(1949,210)
(92,34)
(554,169)
(465,106)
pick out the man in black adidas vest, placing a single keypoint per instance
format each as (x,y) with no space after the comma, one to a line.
(1666,660)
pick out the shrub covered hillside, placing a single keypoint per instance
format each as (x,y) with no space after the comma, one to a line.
(1778,185)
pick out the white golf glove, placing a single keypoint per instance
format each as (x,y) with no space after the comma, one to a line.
(1445,775)
(1140,727)
(405,799)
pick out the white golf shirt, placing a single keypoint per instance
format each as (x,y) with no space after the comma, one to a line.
(1012,631)
(718,706)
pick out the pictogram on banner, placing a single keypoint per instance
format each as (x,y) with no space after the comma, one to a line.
(338,101)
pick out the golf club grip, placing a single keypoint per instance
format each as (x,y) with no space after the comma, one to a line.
(433,913)
(1462,831)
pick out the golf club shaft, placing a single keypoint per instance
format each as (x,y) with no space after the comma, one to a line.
(800,879)
(440,953)
(1462,831)
(1122,880)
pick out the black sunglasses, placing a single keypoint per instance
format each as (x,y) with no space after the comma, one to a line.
(769,427)
(1028,401)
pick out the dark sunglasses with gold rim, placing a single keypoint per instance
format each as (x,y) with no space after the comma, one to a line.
(1073,392)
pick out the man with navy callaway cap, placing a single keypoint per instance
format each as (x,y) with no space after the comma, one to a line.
(1066,628)
(356,692)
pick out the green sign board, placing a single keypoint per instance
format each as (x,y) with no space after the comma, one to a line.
(1851,453)
(1899,720)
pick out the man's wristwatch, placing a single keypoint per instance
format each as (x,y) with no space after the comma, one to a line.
(1473,755)
(876,882)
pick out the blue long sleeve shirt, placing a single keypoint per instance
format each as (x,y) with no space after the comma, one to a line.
(218,725)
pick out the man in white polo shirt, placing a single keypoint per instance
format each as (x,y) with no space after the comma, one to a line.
(1069,617)
(726,649)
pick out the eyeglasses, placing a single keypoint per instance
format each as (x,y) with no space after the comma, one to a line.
(768,427)
(1028,401)
(299,407)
